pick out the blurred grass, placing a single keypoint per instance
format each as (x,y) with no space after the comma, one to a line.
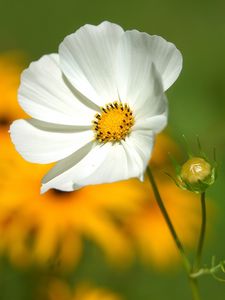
(197,106)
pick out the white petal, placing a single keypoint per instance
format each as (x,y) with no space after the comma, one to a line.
(124,160)
(87,58)
(140,84)
(96,164)
(156,123)
(140,144)
(134,73)
(138,80)
(118,165)
(45,94)
(79,165)
(138,47)
(42,142)
(166,57)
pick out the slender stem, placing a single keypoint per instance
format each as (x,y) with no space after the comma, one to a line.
(194,289)
(187,265)
(168,221)
(202,232)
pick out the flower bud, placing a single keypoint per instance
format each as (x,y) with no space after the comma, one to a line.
(195,169)
(197,174)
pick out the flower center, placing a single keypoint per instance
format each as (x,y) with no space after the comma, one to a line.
(114,122)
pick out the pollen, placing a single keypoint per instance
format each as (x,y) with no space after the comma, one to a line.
(114,122)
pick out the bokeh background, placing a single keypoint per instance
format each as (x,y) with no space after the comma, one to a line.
(109,242)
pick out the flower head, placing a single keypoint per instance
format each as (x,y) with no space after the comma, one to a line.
(96,106)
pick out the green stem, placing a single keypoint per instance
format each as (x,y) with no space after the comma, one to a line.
(202,232)
(168,221)
(194,289)
(187,265)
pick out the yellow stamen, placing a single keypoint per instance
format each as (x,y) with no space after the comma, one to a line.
(114,122)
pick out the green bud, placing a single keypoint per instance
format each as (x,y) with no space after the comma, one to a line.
(196,175)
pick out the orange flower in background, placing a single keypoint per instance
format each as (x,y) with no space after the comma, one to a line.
(11,66)
(59,290)
(39,228)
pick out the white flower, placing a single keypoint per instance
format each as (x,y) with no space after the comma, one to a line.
(96,106)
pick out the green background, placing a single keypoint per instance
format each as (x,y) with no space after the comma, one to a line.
(197,107)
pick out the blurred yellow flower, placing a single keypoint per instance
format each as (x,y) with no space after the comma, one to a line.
(36,227)
(59,290)
(11,66)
